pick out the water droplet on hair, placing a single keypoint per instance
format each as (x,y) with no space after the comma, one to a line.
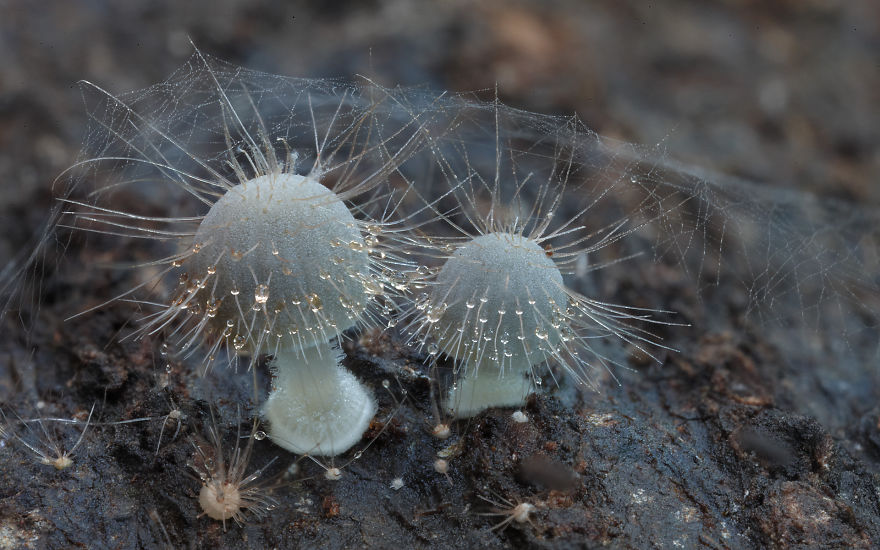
(314,301)
(211,308)
(238,341)
(261,294)
(372,286)
(260,435)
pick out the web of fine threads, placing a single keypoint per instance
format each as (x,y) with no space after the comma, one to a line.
(787,260)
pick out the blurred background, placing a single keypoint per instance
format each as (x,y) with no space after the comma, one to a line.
(782,91)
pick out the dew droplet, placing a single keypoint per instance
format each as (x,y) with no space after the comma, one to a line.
(260,435)
(261,294)
(314,301)
(371,286)
(211,308)
(238,341)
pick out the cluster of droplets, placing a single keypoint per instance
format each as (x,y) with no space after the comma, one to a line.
(356,278)
(493,307)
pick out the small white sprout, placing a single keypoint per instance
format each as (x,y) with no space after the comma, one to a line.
(227,491)
(174,414)
(441,431)
(519,513)
(397,483)
(333,474)
(50,452)
(441,466)
(519,417)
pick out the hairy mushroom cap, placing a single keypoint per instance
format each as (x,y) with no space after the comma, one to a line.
(494,302)
(280,255)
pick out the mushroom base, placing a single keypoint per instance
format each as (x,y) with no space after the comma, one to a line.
(316,407)
(486,388)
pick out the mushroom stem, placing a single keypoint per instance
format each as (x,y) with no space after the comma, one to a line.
(316,407)
(489,387)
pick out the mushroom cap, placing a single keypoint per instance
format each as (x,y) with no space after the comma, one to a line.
(495,301)
(281,254)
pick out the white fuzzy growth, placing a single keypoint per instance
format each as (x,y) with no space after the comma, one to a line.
(317,406)
(289,246)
